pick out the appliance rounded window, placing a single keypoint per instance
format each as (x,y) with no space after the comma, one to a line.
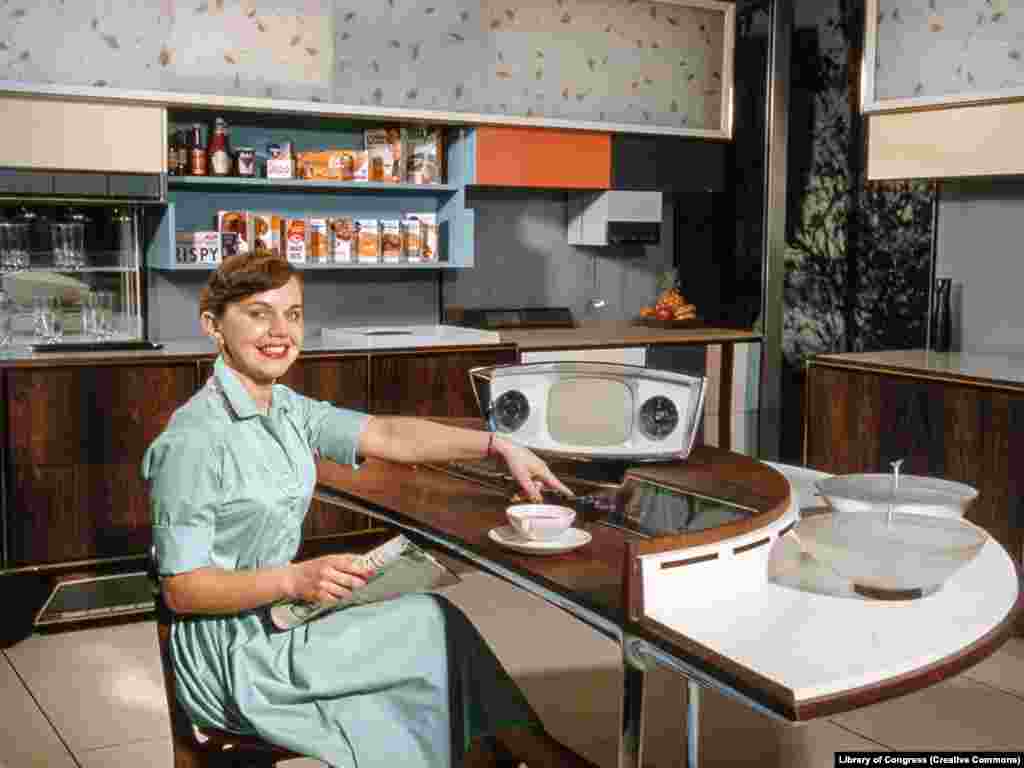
(658,417)
(511,410)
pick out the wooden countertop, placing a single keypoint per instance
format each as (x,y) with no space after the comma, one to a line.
(620,334)
(975,368)
(597,335)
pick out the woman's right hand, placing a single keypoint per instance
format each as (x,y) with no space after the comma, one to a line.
(326,579)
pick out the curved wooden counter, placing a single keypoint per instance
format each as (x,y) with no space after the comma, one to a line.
(794,643)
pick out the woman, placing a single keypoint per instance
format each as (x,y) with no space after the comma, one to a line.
(403,682)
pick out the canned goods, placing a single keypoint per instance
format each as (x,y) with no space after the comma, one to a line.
(246,161)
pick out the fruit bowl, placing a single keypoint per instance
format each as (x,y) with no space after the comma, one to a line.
(911,553)
(653,322)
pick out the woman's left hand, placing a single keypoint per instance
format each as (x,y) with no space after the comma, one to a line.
(529,470)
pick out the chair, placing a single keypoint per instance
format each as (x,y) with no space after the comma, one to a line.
(196,747)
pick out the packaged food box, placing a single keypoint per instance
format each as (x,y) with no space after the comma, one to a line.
(229,244)
(423,152)
(428,241)
(361,165)
(333,164)
(197,247)
(367,241)
(342,234)
(384,150)
(390,241)
(266,233)
(318,241)
(295,240)
(239,223)
(411,236)
(280,163)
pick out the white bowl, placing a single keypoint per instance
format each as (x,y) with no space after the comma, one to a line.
(914,494)
(913,552)
(540,522)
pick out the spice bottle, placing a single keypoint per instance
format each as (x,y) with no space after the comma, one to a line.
(183,153)
(197,152)
(220,157)
(172,154)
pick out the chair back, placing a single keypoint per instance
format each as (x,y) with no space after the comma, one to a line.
(196,747)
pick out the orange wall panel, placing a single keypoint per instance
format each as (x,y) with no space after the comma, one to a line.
(511,156)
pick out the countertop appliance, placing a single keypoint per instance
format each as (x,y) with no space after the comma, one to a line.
(395,336)
(495,318)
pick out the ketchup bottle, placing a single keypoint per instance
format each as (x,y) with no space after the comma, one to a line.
(220,157)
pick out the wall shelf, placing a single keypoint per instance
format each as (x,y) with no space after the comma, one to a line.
(305,185)
(193,201)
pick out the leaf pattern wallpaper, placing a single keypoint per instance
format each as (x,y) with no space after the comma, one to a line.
(935,48)
(610,61)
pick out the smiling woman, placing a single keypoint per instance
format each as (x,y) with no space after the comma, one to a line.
(231,478)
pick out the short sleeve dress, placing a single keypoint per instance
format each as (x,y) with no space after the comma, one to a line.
(405,682)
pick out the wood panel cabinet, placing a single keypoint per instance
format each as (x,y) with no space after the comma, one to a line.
(75,441)
(430,383)
(859,421)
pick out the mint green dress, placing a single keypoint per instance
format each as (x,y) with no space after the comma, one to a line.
(405,682)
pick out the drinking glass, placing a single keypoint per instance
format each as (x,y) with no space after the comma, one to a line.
(68,239)
(89,310)
(48,318)
(104,314)
(76,244)
(6,318)
(13,245)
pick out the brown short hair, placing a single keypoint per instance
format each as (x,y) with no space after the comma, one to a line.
(241,276)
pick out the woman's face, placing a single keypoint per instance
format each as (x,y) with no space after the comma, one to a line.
(261,335)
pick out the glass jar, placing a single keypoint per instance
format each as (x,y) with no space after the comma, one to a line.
(7,311)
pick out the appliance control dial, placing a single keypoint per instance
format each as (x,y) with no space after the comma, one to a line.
(511,409)
(658,417)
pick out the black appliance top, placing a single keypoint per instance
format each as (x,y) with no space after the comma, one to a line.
(495,318)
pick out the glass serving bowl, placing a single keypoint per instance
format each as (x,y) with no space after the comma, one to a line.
(876,493)
(909,552)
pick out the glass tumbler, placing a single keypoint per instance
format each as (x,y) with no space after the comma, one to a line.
(13,245)
(7,309)
(48,318)
(68,238)
(103,315)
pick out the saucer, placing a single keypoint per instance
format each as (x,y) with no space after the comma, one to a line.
(506,536)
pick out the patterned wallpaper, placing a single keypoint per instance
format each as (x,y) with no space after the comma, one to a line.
(615,61)
(935,48)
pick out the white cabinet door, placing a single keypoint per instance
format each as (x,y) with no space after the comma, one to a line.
(623,355)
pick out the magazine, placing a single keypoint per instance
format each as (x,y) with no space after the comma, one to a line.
(399,567)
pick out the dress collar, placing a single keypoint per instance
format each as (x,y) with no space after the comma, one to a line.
(238,396)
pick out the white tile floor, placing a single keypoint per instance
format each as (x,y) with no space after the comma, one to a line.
(94,698)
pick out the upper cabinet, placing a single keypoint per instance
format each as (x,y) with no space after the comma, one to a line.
(514,156)
(60,134)
(943,84)
(643,66)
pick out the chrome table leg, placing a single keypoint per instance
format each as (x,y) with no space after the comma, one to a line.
(692,724)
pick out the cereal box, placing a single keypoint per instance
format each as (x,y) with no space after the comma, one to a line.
(390,241)
(266,233)
(361,165)
(280,163)
(239,223)
(384,149)
(423,152)
(318,242)
(197,248)
(411,236)
(368,241)
(342,235)
(333,164)
(428,242)
(295,240)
